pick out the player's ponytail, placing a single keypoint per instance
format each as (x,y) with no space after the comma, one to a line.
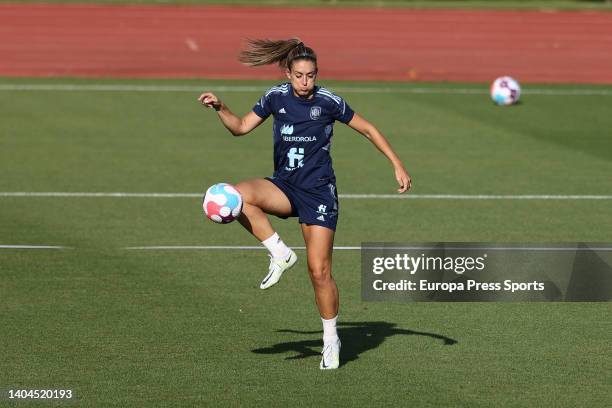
(283,52)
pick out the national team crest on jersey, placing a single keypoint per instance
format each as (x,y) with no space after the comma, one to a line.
(315,112)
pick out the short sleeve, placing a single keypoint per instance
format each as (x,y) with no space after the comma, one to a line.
(343,112)
(263,108)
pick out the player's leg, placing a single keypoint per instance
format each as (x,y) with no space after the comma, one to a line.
(261,197)
(319,245)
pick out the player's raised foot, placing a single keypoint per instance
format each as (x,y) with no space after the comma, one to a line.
(331,355)
(277,267)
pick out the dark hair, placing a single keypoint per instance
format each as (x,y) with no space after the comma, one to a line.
(283,52)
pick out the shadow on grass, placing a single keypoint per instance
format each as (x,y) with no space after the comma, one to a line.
(357,338)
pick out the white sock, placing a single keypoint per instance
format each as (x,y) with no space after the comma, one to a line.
(329,330)
(276,246)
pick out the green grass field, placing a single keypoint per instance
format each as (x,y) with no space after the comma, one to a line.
(191,328)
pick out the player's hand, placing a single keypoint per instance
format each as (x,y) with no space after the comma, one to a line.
(403,179)
(210,100)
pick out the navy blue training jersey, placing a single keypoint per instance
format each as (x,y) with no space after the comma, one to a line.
(303,129)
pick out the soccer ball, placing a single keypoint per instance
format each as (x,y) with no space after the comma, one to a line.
(222,203)
(505,91)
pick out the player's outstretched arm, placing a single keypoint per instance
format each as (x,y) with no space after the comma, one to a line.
(236,125)
(373,135)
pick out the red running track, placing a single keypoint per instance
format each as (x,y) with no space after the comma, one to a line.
(372,44)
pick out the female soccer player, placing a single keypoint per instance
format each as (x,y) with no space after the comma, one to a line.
(303,184)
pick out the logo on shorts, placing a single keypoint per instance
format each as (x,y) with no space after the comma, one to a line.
(322,209)
(315,112)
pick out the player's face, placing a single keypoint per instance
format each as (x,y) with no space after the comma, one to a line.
(302,75)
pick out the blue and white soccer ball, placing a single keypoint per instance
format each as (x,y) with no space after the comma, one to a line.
(505,91)
(222,203)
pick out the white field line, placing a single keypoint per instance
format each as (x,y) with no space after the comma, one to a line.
(477,196)
(222,247)
(358,248)
(337,248)
(342,196)
(31,247)
(261,89)
(97,194)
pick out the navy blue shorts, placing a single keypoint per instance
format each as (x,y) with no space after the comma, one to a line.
(318,206)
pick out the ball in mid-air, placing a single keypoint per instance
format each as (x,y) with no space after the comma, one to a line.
(222,203)
(505,91)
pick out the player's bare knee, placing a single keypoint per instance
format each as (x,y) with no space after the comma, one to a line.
(320,274)
(248,209)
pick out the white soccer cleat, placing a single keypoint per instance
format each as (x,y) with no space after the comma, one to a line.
(277,267)
(331,355)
